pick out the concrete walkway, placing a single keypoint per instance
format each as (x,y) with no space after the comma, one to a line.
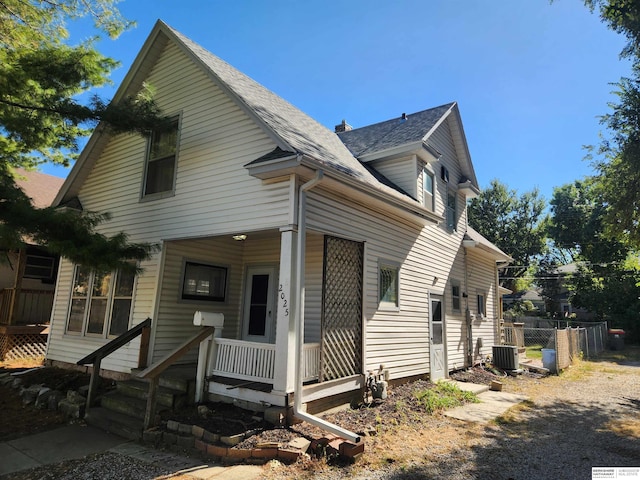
(492,404)
(77,441)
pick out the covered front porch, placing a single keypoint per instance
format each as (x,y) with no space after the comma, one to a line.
(252,356)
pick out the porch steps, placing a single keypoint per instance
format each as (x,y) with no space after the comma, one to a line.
(116,423)
(130,406)
(122,410)
(166,396)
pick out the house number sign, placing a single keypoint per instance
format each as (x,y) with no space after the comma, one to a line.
(283,298)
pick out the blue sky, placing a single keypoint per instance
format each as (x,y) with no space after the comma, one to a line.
(531,77)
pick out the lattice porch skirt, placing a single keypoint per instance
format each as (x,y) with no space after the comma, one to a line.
(22,342)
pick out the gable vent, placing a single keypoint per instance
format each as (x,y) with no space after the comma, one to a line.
(444,174)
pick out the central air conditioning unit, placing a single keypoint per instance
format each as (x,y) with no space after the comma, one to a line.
(506,357)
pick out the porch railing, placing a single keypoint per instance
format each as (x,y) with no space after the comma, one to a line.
(251,361)
(311,362)
(95,357)
(30,306)
(6,304)
(255,361)
(152,373)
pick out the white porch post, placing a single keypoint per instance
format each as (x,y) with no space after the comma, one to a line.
(284,374)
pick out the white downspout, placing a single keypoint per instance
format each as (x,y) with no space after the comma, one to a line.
(299,311)
(469,323)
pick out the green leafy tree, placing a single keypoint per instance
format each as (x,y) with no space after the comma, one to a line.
(607,280)
(618,162)
(515,223)
(45,111)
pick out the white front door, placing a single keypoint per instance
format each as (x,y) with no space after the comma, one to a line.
(259,304)
(437,354)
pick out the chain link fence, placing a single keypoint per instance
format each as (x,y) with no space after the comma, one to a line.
(562,343)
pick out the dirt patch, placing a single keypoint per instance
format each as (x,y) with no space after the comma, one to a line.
(18,419)
(478,375)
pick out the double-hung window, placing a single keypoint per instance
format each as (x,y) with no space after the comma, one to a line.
(161,163)
(455,295)
(40,266)
(482,306)
(389,280)
(100,302)
(452,213)
(428,189)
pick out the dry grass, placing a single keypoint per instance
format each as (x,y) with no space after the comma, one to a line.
(437,442)
(625,427)
(31,362)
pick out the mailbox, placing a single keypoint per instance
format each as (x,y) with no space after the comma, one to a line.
(208,319)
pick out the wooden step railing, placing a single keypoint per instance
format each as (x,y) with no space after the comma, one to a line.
(96,357)
(152,373)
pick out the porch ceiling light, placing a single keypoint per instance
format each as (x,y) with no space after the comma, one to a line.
(240,237)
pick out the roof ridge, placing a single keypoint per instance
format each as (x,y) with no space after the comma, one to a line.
(448,105)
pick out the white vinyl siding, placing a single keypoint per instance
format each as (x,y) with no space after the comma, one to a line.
(481,274)
(398,339)
(215,197)
(216,140)
(313,286)
(442,141)
(400,171)
(174,322)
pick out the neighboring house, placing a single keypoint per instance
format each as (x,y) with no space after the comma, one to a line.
(531,295)
(27,280)
(358,238)
(560,305)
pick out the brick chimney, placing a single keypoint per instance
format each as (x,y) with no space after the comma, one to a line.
(343,127)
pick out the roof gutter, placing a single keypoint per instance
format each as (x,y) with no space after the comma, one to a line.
(299,312)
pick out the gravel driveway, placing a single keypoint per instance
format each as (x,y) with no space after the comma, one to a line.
(589,416)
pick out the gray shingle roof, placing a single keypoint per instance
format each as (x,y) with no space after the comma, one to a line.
(474,235)
(299,132)
(393,133)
